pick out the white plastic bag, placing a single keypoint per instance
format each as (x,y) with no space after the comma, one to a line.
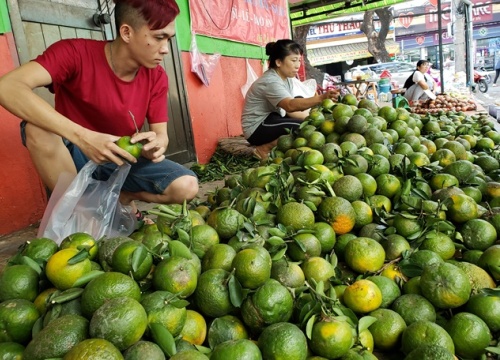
(251,77)
(202,65)
(305,89)
(88,205)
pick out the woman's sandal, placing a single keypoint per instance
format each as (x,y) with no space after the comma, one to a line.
(139,215)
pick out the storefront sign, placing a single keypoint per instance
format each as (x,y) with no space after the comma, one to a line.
(432,39)
(340,53)
(248,21)
(343,26)
(422,19)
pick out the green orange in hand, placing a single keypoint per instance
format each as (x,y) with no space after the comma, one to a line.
(133,149)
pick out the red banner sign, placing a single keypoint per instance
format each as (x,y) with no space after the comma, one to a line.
(248,21)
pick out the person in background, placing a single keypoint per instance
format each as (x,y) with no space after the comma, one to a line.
(100,87)
(497,72)
(418,82)
(261,119)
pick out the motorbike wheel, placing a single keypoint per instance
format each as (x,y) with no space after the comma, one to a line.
(482,85)
(487,78)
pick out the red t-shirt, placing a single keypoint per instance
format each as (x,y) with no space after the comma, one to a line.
(90,94)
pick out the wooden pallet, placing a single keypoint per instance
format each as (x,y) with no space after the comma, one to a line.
(236,145)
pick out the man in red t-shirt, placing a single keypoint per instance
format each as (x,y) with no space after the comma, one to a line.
(100,89)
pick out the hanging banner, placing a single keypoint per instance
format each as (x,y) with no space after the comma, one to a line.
(249,21)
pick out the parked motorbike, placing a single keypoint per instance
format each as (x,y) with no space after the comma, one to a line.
(482,71)
(479,82)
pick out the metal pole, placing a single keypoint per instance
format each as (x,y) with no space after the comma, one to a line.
(440,52)
(468,42)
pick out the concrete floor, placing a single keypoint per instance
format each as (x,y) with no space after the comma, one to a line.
(10,243)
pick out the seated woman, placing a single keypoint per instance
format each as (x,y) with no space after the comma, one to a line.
(420,81)
(261,119)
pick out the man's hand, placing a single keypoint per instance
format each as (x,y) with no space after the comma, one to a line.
(155,145)
(101,148)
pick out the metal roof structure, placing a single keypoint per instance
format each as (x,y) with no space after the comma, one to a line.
(304,12)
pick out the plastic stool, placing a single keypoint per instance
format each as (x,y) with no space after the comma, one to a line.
(399,101)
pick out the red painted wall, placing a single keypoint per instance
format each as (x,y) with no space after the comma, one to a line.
(216,110)
(22,196)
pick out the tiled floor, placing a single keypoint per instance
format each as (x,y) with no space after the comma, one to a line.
(10,243)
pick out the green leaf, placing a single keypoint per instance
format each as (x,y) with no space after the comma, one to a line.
(411,270)
(300,245)
(138,256)
(277,232)
(235,291)
(177,248)
(31,263)
(203,349)
(491,292)
(275,241)
(334,259)
(320,287)
(309,326)
(79,257)
(163,338)
(494,350)
(365,322)
(85,279)
(179,304)
(37,327)
(310,205)
(279,254)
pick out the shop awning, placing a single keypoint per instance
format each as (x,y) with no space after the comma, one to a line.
(338,53)
(304,12)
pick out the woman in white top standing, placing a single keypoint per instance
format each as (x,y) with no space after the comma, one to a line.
(261,119)
(419,82)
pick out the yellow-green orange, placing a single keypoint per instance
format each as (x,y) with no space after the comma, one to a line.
(445,285)
(212,293)
(296,215)
(18,282)
(177,275)
(122,321)
(17,317)
(470,335)
(364,255)
(252,267)
(487,307)
(160,308)
(339,213)
(283,341)
(287,273)
(387,330)
(106,287)
(226,328)
(270,304)
(94,349)
(413,308)
(331,339)
(478,234)
(318,269)
(425,333)
(362,296)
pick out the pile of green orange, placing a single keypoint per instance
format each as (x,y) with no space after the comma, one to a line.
(370,233)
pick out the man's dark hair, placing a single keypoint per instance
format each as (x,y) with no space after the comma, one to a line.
(156,13)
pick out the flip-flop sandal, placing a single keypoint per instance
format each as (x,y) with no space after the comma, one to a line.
(256,155)
(139,215)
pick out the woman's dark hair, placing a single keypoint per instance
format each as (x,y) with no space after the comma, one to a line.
(280,49)
(422,62)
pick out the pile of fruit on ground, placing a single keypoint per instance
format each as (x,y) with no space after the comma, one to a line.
(369,234)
